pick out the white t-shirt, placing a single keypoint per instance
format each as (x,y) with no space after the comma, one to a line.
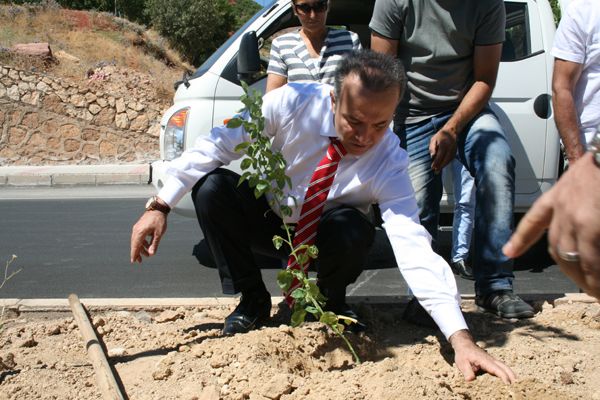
(578,40)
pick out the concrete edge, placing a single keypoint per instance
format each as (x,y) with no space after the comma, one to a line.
(68,175)
(38,305)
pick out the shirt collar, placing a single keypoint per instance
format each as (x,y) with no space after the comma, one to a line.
(327,127)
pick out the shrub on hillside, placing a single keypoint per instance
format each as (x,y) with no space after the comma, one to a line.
(244,10)
(194,27)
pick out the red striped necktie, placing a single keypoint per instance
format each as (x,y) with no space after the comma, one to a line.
(314,201)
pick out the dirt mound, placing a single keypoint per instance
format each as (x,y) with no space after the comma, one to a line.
(180,354)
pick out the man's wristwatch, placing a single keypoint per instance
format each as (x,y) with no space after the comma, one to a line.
(153,204)
(594,147)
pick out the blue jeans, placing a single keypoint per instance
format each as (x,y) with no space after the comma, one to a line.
(483,149)
(464,210)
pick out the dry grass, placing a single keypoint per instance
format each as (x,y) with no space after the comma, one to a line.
(90,39)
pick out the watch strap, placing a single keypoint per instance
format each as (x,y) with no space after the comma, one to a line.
(155,205)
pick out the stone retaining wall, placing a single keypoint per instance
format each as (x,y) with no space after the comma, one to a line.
(47,121)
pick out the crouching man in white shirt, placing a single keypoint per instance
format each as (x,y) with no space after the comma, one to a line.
(304,119)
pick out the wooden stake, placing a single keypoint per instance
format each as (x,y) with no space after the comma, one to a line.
(106,380)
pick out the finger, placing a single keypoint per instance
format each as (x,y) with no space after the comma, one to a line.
(562,235)
(144,248)
(510,375)
(448,156)
(155,241)
(433,148)
(135,246)
(531,227)
(590,260)
(496,368)
(466,368)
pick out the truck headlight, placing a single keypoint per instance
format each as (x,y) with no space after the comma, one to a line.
(174,136)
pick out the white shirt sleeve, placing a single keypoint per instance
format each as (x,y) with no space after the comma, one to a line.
(215,150)
(570,39)
(427,274)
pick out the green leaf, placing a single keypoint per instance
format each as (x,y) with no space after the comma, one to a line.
(235,122)
(298,294)
(284,279)
(298,317)
(313,289)
(262,186)
(286,211)
(277,241)
(312,251)
(302,258)
(241,147)
(253,180)
(298,274)
(311,309)
(246,163)
(328,318)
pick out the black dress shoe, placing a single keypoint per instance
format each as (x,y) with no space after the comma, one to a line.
(505,304)
(416,314)
(254,309)
(463,269)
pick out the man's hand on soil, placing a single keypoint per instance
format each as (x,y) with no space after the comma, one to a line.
(470,359)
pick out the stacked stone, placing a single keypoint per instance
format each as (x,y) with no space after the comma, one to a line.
(46,120)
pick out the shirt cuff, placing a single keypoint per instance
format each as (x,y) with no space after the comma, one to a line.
(172,192)
(449,318)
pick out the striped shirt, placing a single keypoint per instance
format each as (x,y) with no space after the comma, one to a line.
(290,57)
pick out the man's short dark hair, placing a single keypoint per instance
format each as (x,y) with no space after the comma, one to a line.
(377,71)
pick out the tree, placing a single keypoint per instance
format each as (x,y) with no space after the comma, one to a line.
(244,10)
(196,28)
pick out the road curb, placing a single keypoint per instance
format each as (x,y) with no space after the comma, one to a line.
(69,175)
(40,305)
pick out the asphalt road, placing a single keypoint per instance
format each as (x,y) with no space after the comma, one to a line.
(76,240)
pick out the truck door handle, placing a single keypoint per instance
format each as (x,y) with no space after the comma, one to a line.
(541,106)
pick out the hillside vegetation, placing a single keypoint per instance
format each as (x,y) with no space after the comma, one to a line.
(82,42)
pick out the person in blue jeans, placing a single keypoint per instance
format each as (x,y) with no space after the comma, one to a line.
(462,223)
(451,52)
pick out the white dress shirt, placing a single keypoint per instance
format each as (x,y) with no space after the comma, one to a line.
(299,118)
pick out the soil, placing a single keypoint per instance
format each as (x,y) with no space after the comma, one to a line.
(180,354)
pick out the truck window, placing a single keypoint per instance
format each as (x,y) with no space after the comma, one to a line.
(516,45)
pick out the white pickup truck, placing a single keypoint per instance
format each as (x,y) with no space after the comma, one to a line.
(521,98)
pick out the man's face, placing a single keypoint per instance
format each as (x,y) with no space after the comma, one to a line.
(362,116)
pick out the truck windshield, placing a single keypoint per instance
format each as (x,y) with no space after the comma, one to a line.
(215,56)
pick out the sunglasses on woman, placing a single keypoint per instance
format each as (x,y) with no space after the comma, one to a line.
(317,7)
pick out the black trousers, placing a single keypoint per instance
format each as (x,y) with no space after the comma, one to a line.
(236,226)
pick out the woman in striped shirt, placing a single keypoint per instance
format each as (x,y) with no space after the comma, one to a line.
(311,53)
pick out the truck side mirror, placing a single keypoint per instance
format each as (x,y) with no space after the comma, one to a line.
(248,60)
